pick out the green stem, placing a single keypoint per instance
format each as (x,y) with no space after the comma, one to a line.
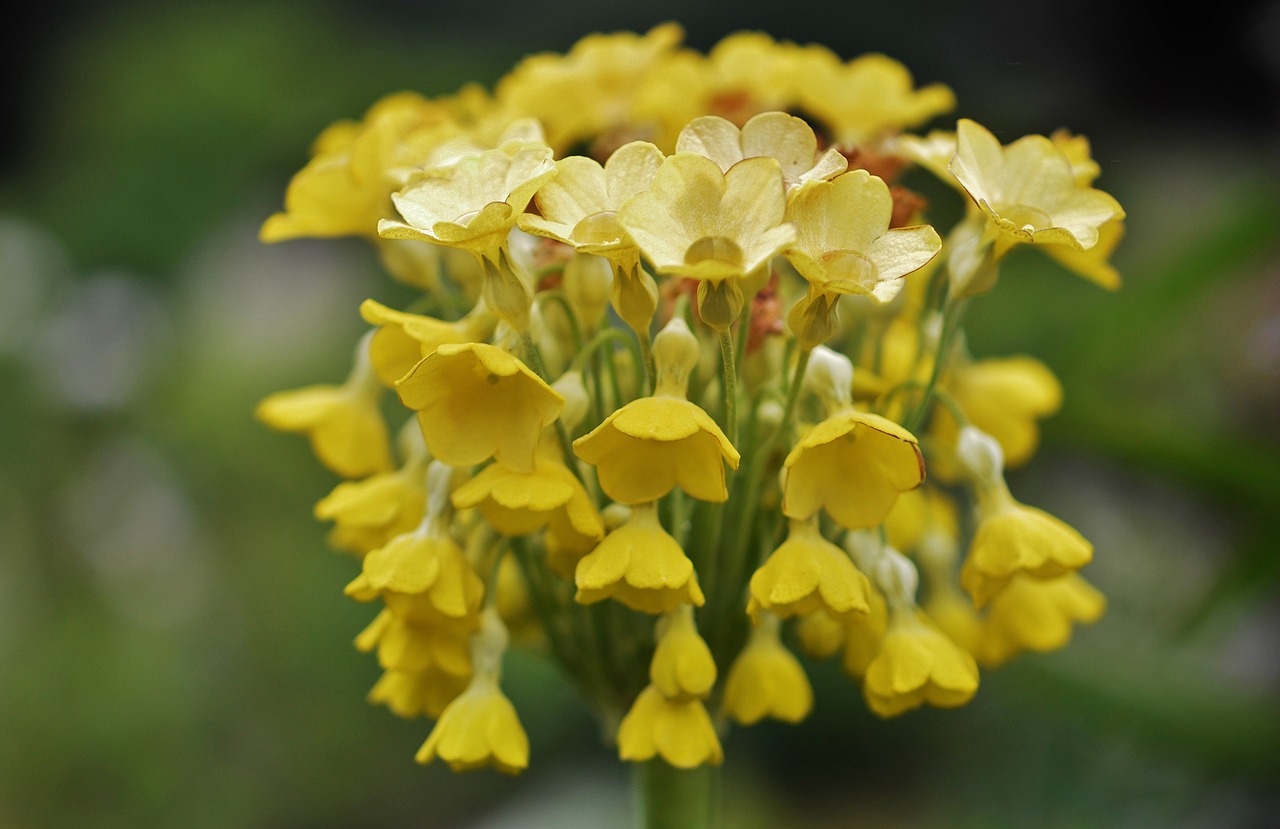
(730,382)
(951,317)
(671,798)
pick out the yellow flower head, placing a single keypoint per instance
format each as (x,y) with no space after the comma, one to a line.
(426,564)
(476,401)
(678,731)
(474,203)
(807,573)
(682,666)
(766,680)
(1028,190)
(1037,615)
(426,642)
(369,513)
(820,635)
(862,638)
(417,693)
(777,135)
(477,729)
(854,465)
(702,223)
(1013,539)
(867,98)
(401,339)
(640,565)
(344,422)
(917,664)
(844,244)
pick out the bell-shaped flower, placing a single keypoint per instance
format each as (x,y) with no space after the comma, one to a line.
(411,694)
(424,564)
(480,727)
(682,666)
(843,242)
(474,203)
(421,641)
(868,98)
(345,424)
(1029,191)
(678,731)
(699,222)
(640,565)
(854,465)
(369,513)
(777,135)
(918,664)
(767,680)
(402,339)
(807,573)
(476,401)
(1037,615)
(862,638)
(821,636)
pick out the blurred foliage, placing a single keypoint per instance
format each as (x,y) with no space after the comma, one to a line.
(174,645)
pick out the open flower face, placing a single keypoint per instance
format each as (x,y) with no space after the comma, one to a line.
(1029,189)
(473,203)
(702,223)
(777,135)
(843,243)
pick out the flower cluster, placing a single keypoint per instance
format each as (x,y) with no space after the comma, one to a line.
(678,362)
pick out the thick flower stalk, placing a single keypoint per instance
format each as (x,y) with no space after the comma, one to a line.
(679,364)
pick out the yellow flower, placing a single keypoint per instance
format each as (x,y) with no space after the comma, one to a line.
(654,444)
(1028,190)
(917,513)
(640,565)
(426,563)
(1004,398)
(682,666)
(344,422)
(777,135)
(479,728)
(807,573)
(476,401)
(843,243)
(474,203)
(401,340)
(917,664)
(853,464)
(955,615)
(369,513)
(1013,539)
(1037,615)
(346,187)
(766,680)
(820,635)
(437,644)
(678,731)
(750,73)
(417,693)
(862,639)
(518,503)
(867,98)
(1093,264)
(699,222)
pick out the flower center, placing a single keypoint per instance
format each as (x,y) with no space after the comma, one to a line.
(717,249)
(1027,219)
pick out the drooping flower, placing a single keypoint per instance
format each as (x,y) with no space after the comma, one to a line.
(682,666)
(766,680)
(476,401)
(401,339)
(916,665)
(1037,615)
(678,731)
(807,573)
(640,565)
(417,693)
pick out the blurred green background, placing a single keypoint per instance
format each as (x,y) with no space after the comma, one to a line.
(174,645)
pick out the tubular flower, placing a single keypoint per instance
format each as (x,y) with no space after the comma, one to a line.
(369,513)
(426,642)
(854,465)
(476,401)
(682,666)
(1037,615)
(917,664)
(806,574)
(640,565)
(480,727)
(401,340)
(344,422)
(766,680)
(679,732)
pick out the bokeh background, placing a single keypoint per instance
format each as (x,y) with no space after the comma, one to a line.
(174,645)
